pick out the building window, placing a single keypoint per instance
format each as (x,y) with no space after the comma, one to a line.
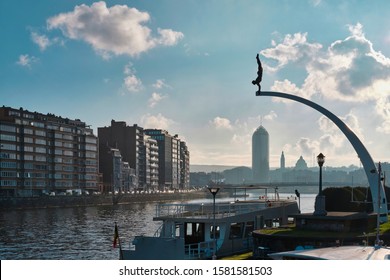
(8,174)
(6,137)
(91,140)
(8,164)
(40,133)
(40,141)
(67,137)
(40,150)
(50,126)
(14,113)
(8,183)
(90,155)
(28,149)
(68,145)
(8,147)
(40,158)
(38,124)
(91,147)
(28,140)
(28,131)
(28,116)
(7,128)
(28,165)
(29,157)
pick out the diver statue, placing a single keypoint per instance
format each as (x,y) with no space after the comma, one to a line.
(259,75)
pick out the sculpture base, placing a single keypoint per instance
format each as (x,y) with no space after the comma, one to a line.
(319,206)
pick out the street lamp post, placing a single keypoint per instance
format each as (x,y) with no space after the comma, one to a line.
(319,206)
(377,241)
(214,191)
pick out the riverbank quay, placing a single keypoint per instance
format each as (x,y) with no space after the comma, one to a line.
(13,203)
(288,238)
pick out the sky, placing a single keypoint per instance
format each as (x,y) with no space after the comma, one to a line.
(187,66)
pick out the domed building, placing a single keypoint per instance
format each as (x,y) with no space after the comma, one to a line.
(260,155)
(301,164)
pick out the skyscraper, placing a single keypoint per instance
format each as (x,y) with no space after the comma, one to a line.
(260,155)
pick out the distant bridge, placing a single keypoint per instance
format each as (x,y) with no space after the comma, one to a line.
(289,184)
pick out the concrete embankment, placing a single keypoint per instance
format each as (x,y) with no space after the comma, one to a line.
(93,200)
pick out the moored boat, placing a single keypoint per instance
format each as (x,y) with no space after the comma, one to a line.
(187,230)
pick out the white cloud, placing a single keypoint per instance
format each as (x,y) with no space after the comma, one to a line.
(131,82)
(160,83)
(155,99)
(128,69)
(222,123)
(306,147)
(331,140)
(356,30)
(41,40)
(118,30)
(26,60)
(349,70)
(168,37)
(270,116)
(294,48)
(156,121)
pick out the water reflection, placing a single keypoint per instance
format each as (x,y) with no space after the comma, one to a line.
(80,233)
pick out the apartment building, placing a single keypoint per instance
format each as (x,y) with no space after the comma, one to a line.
(174,160)
(184,182)
(44,153)
(138,151)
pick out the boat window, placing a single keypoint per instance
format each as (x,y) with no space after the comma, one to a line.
(194,233)
(177,230)
(189,229)
(217,232)
(236,230)
(249,227)
(194,229)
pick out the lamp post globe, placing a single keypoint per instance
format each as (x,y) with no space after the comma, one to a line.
(320,159)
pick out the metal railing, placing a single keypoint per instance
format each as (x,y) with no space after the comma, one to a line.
(206,210)
(199,250)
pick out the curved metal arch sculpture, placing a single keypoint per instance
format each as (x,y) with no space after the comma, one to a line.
(366,159)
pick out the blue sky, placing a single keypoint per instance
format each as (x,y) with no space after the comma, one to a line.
(187,66)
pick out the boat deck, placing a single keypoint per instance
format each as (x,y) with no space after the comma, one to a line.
(337,253)
(206,210)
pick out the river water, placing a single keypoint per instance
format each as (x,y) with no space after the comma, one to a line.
(82,233)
